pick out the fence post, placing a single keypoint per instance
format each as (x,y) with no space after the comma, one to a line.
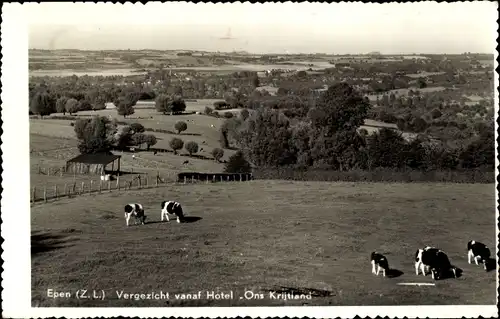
(207,179)
(184,179)
(227,178)
(83,188)
(109,185)
(34,194)
(74,188)
(241,179)
(118,182)
(213,178)
(192,179)
(48,171)
(55,191)
(147,181)
(157,177)
(65,189)
(90,189)
(62,171)
(100,186)
(221,178)
(45,194)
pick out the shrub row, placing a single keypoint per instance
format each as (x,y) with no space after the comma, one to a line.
(376,175)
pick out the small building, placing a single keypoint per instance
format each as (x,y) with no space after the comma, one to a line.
(94,164)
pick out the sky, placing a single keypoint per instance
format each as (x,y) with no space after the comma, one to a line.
(338,28)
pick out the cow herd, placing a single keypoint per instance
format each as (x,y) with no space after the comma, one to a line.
(167,208)
(435,261)
(428,259)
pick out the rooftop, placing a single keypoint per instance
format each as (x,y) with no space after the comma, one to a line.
(99,158)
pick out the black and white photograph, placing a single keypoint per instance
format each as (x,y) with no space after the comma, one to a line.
(237,159)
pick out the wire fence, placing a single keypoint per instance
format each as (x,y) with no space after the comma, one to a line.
(69,190)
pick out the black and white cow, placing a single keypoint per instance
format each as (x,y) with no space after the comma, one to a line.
(478,251)
(380,262)
(135,210)
(435,260)
(172,208)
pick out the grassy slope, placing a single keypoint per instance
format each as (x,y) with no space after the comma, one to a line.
(257,235)
(53,142)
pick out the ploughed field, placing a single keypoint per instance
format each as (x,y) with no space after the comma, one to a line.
(262,238)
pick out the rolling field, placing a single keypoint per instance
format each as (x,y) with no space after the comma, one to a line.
(262,235)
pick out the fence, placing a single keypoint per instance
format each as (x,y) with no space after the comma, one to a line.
(44,194)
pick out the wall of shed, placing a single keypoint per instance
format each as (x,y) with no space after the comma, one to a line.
(82,168)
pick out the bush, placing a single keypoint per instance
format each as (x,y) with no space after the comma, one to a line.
(220,105)
(191,147)
(237,164)
(228,115)
(137,127)
(176,144)
(215,114)
(180,126)
(208,110)
(217,153)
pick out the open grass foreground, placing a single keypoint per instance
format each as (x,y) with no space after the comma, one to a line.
(285,237)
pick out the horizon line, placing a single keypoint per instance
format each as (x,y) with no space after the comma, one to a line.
(264,53)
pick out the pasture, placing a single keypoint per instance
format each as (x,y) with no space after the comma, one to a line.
(53,142)
(263,236)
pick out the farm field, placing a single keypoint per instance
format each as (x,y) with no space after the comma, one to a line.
(262,235)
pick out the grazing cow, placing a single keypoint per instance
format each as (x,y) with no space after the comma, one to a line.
(135,210)
(172,208)
(185,162)
(155,152)
(105,177)
(201,149)
(435,260)
(478,251)
(381,262)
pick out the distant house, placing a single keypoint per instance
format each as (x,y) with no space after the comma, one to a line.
(93,164)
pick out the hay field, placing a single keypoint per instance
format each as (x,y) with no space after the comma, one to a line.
(261,235)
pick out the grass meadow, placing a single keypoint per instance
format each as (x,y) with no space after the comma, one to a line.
(263,236)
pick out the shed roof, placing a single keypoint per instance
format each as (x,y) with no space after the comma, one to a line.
(99,158)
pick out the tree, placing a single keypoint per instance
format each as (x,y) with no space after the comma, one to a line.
(217,153)
(255,81)
(72,106)
(163,104)
(208,110)
(95,135)
(61,105)
(84,105)
(228,114)
(125,105)
(191,147)
(178,105)
(176,144)
(342,108)
(42,104)
(237,164)
(180,126)
(138,139)
(150,140)
(137,127)
(244,114)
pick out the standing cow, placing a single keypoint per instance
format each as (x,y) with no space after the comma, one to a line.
(135,210)
(172,208)
(478,251)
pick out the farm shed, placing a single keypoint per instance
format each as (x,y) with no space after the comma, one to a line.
(93,163)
